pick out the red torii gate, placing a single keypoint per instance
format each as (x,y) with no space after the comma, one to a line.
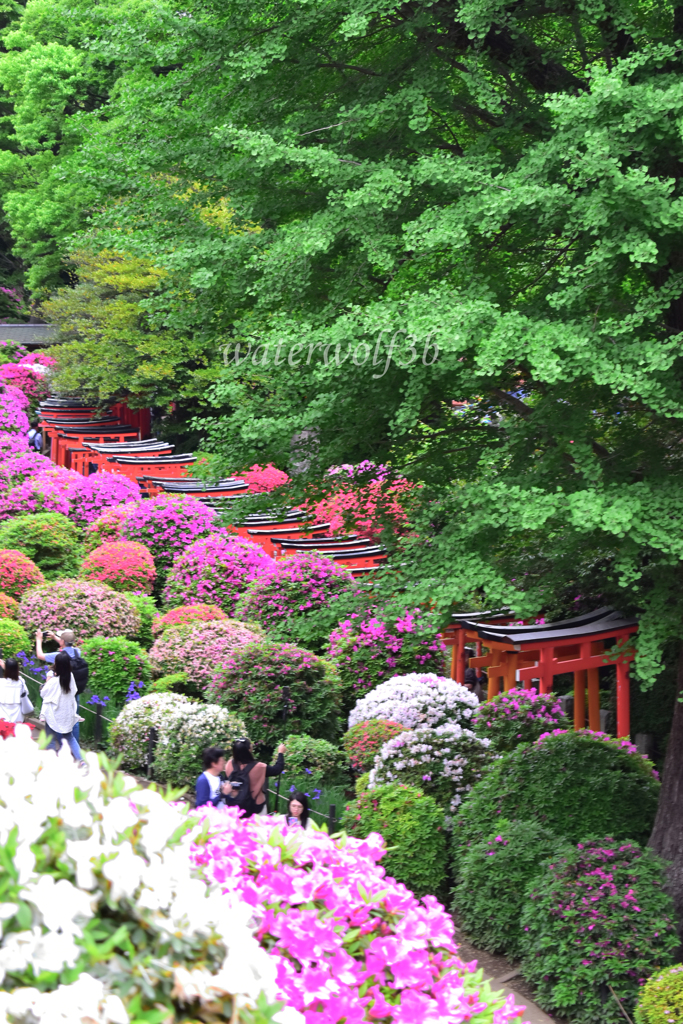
(540,652)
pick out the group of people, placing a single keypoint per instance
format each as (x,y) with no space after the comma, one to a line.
(241,782)
(59,693)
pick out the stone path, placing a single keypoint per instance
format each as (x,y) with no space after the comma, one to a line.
(503,974)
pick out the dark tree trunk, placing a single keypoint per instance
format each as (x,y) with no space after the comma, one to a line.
(667,835)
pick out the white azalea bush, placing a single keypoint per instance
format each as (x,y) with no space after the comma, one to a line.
(129,732)
(444,762)
(104,921)
(420,698)
(188,731)
(184,729)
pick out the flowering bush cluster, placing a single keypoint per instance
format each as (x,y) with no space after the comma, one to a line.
(599,915)
(167,525)
(264,478)
(187,613)
(251,682)
(420,698)
(88,608)
(13,403)
(47,538)
(412,825)
(104,918)
(8,606)
(216,570)
(124,565)
(119,668)
(363,741)
(364,498)
(297,585)
(188,730)
(492,877)
(445,762)
(16,468)
(101,491)
(661,998)
(316,763)
(23,376)
(370,648)
(17,573)
(50,490)
(129,732)
(518,716)
(13,638)
(574,783)
(108,525)
(12,445)
(198,649)
(348,942)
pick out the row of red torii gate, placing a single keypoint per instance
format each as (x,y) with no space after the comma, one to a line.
(532,654)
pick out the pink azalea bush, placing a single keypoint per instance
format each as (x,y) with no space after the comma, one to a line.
(12,444)
(40,358)
(363,498)
(216,570)
(297,585)
(107,527)
(50,490)
(124,565)
(17,573)
(99,492)
(350,943)
(167,525)
(264,478)
(518,716)
(369,648)
(23,376)
(13,418)
(198,649)
(87,607)
(18,467)
(185,614)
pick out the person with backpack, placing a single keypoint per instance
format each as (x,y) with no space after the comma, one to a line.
(209,789)
(79,666)
(59,705)
(247,778)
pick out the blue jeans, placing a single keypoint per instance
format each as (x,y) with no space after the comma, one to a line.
(56,741)
(76,731)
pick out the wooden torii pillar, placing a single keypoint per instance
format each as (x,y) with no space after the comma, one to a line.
(540,652)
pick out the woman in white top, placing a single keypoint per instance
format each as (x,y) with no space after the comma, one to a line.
(13,691)
(59,705)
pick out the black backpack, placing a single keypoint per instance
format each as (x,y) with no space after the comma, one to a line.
(244,800)
(80,671)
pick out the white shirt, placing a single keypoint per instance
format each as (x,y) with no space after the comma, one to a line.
(214,783)
(59,708)
(11,692)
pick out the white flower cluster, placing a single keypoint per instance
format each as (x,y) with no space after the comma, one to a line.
(420,698)
(129,732)
(445,761)
(189,724)
(126,849)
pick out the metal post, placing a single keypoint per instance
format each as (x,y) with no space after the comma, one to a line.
(152,738)
(333,818)
(98,725)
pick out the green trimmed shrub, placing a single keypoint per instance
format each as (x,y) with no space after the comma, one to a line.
(176,682)
(251,683)
(661,998)
(48,538)
(316,763)
(119,668)
(575,784)
(412,825)
(493,875)
(13,638)
(598,916)
(147,611)
(363,741)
